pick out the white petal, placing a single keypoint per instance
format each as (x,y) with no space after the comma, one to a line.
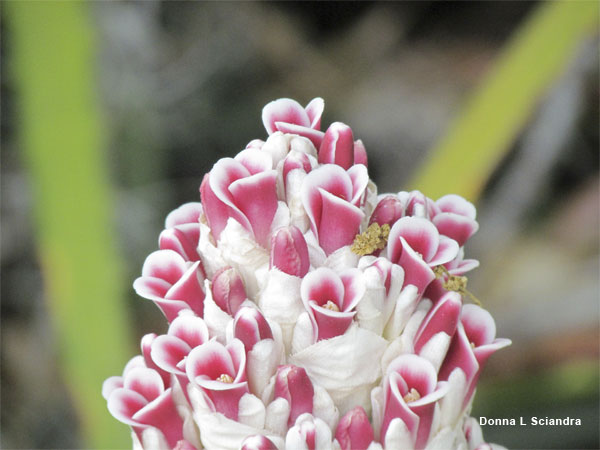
(304,335)
(241,251)
(444,439)
(261,364)
(251,411)
(280,302)
(277,415)
(405,305)
(451,403)
(153,439)
(215,318)
(397,435)
(324,408)
(338,364)
(436,348)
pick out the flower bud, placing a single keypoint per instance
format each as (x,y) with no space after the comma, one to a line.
(293,384)
(388,211)
(354,430)
(289,252)
(228,290)
(250,327)
(337,146)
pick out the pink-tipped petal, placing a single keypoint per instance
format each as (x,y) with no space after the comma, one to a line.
(315,136)
(182,239)
(420,234)
(162,414)
(453,203)
(293,384)
(188,213)
(284,110)
(459,228)
(314,110)
(360,179)
(256,197)
(289,252)
(164,264)
(337,146)
(360,153)
(354,430)
(443,317)
(168,351)
(250,327)
(339,224)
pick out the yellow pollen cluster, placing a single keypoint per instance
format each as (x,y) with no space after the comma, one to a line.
(412,396)
(454,283)
(331,306)
(225,378)
(373,238)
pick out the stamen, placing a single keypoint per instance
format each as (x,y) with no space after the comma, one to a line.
(331,306)
(412,396)
(225,378)
(373,238)
(454,283)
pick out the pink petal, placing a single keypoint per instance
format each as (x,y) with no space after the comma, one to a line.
(146,382)
(416,271)
(339,223)
(256,197)
(360,179)
(337,146)
(296,160)
(354,430)
(123,404)
(314,111)
(460,355)
(183,239)
(447,251)
(223,174)
(186,214)
(395,406)
(168,351)
(284,110)
(315,136)
(209,360)
(216,212)
(254,160)
(329,323)
(360,153)
(453,203)
(479,324)
(459,228)
(289,252)
(146,345)
(420,234)
(164,264)
(417,372)
(190,329)
(162,414)
(293,384)
(228,290)
(321,285)
(250,327)
(189,290)
(110,384)
(388,210)
(443,317)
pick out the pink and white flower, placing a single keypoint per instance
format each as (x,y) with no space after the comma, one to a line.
(288,309)
(220,372)
(416,245)
(172,283)
(410,393)
(286,115)
(332,198)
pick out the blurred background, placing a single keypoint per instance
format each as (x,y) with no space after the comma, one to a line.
(113,111)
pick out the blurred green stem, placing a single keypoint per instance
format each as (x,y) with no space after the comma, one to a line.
(464,159)
(53,57)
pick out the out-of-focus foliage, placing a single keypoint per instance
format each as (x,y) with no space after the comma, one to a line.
(62,141)
(464,159)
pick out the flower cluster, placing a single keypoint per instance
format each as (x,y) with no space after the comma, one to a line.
(305,310)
